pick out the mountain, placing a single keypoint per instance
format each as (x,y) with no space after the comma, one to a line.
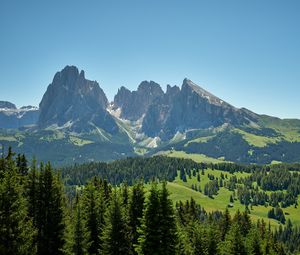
(76,123)
(133,105)
(192,107)
(75,103)
(11,117)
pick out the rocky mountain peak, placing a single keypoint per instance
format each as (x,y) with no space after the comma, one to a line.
(121,97)
(74,102)
(150,87)
(189,87)
(136,103)
(192,107)
(172,91)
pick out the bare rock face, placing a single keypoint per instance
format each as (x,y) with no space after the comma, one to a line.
(158,112)
(75,103)
(12,118)
(136,103)
(192,107)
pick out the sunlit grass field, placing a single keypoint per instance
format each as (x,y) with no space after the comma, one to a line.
(183,191)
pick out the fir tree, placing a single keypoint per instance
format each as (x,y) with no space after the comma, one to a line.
(198,177)
(50,213)
(167,223)
(253,242)
(158,232)
(22,164)
(31,191)
(225,224)
(125,194)
(150,236)
(93,205)
(213,237)
(136,206)
(245,223)
(234,242)
(199,239)
(16,229)
(116,233)
(78,245)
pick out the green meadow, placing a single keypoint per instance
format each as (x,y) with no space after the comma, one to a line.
(183,191)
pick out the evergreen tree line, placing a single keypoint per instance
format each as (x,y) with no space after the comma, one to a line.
(36,217)
(160,167)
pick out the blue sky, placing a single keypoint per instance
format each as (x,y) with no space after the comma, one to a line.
(246,52)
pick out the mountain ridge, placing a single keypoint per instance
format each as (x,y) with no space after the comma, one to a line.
(75,115)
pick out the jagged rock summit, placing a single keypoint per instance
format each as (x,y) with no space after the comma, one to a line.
(191,107)
(75,103)
(134,105)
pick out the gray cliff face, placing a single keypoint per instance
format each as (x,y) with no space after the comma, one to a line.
(191,108)
(159,111)
(13,118)
(75,103)
(136,103)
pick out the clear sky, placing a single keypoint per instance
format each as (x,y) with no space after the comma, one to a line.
(246,52)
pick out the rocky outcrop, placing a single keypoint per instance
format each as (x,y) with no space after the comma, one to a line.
(12,118)
(158,112)
(135,104)
(190,108)
(75,103)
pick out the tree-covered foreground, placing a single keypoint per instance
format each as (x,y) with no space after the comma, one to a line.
(37,216)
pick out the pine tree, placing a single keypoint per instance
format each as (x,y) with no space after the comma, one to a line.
(167,223)
(125,194)
(253,242)
(50,213)
(198,177)
(198,237)
(246,223)
(158,232)
(136,206)
(16,229)
(150,236)
(116,238)
(78,245)
(93,206)
(31,191)
(22,164)
(212,238)
(10,154)
(225,224)
(234,242)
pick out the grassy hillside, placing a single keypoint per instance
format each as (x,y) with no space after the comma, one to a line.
(64,148)
(260,145)
(183,191)
(269,140)
(195,157)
